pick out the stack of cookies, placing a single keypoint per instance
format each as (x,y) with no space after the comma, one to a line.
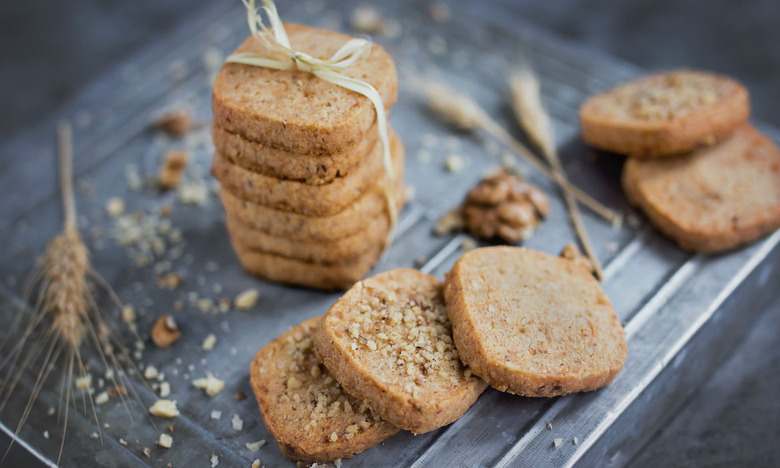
(701,173)
(301,164)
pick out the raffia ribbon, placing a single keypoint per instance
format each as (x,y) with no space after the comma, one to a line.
(330,70)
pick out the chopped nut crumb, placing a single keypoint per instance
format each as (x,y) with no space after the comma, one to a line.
(45,434)
(122,442)
(215,414)
(575,441)
(571,252)
(557,442)
(147,452)
(164,409)
(165,331)
(214,460)
(256,463)
(170,281)
(115,206)
(255,446)
(334,437)
(366,19)
(210,384)
(237,423)
(165,389)
(209,342)
(193,193)
(549,426)
(165,441)
(173,166)
(247,299)
(450,222)
(176,122)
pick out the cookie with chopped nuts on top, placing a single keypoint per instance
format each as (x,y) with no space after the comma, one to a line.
(327,276)
(665,114)
(298,111)
(388,342)
(713,199)
(309,414)
(533,324)
(298,197)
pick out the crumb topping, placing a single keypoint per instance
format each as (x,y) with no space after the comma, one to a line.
(309,384)
(409,334)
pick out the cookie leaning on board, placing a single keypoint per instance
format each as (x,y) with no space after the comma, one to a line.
(702,175)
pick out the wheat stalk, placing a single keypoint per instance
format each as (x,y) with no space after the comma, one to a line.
(464,113)
(533,117)
(67,308)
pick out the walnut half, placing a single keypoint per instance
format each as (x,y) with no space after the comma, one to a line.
(503,205)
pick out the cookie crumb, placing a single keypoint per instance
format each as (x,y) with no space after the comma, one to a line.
(210,384)
(173,166)
(237,423)
(246,299)
(165,441)
(255,446)
(115,206)
(209,342)
(256,463)
(102,398)
(164,409)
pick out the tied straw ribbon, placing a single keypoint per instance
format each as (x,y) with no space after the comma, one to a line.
(330,70)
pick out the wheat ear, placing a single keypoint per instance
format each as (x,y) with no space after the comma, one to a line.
(462,112)
(534,119)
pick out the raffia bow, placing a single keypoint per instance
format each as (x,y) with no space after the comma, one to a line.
(330,70)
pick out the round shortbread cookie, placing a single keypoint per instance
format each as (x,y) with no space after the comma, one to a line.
(326,276)
(297,111)
(665,114)
(375,234)
(532,324)
(306,168)
(295,226)
(715,198)
(305,199)
(311,417)
(388,342)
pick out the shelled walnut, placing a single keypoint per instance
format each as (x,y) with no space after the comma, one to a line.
(503,205)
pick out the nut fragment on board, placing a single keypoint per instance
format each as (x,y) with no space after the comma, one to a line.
(165,441)
(165,331)
(210,384)
(164,409)
(176,122)
(247,299)
(173,166)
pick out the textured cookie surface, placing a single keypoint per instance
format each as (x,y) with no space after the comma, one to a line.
(715,198)
(304,408)
(325,276)
(310,169)
(374,235)
(311,200)
(348,222)
(294,110)
(533,324)
(388,342)
(665,114)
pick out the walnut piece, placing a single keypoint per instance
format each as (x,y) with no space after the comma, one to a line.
(165,331)
(502,205)
(175,123)
(571,252)
(172,168)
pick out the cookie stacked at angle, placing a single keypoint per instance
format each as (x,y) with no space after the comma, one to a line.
(300,162)
(699,171)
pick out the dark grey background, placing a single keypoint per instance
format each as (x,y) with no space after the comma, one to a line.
(51,50)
